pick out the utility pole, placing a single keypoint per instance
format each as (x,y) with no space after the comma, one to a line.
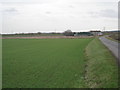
(104,29)
(11,31)
(55,30)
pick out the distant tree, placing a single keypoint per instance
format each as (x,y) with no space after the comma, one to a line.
(52,33)
(68,33)
(39,33)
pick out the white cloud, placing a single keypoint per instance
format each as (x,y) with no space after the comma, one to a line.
(48,15)
(46,1)
(0,18)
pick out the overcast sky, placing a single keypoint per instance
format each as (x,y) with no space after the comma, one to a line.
(57,15)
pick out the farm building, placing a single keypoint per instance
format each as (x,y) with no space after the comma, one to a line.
(96,33)
(83,34)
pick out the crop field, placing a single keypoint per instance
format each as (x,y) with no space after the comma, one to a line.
(40,63)
(57,63)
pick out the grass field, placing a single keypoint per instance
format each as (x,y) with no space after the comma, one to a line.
(39,63)
(57,63)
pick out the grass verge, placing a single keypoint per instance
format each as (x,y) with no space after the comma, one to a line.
(113,39)
(101,69)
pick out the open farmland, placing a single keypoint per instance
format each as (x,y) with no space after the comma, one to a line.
(58,63)
(39,63)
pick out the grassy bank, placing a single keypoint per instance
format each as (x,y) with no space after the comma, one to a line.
(113,39)
(101,69)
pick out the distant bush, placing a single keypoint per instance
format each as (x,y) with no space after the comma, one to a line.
(115,35)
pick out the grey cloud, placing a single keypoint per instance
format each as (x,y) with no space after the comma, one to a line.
(71,6)
(108,13)
(48,12)
(11,10)
(27,1)
(94,14)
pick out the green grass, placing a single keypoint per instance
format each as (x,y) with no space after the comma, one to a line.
(41,63)
(58,63)
(101,68)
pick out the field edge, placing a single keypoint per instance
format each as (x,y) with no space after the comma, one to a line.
(101,70)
